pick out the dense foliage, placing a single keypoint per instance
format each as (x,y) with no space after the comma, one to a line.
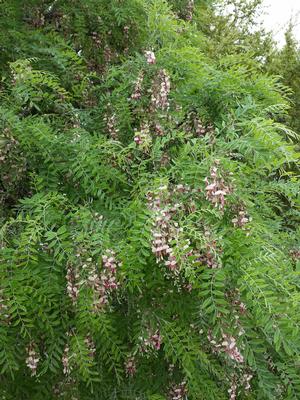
(150,209)
(285,62)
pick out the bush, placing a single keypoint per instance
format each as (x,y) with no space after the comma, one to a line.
(150,212)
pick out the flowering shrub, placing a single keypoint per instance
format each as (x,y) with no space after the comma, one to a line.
(149,243)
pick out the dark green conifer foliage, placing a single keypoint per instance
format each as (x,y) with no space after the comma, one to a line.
(150,219)
(285,62)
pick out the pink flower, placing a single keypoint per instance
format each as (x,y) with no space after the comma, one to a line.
(216,190)
(178,392)
(150,57)
(33,358)
(160,91)
(230,347)
(171,263)
(240,220)
(130,366)
(137,94)
(138,139)
(156,340)
(107,282)
(111,123)
(72,284)
(90,345)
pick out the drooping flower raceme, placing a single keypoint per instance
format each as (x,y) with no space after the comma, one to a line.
(160,91)
(216,189)
(90,345)
(150,57)
(111,123)
(72,284)
(137,94)
(152,342)
(66,360)
(130,366)
(241,219)
(142,137)
(33,358)
(178,392)
(105,283)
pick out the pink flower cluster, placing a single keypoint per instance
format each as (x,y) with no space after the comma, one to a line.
(228,346)
(180,188)
(137,94)
(242,306)
(200,129)
(245,382)
(159,246)
(150,57)
(178,392)
(107,282)
(88,340)
(130,366)
(156,340)
(66,360)
(126,31)
(193,124)
(160,91)
(72,284)
(165,204)
(158,129)
(33,358)
(171,263)
(162,232)
(143,138)
(240,220)
(111,126)
(232,391)
(153,342)
(216,189)
(234,298)
(100,296)
(208,257)
(66,357)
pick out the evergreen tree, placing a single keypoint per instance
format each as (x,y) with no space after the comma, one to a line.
(235,27)
(150,217)
(285,62)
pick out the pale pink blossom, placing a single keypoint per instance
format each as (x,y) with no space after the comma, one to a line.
(150,57)
(33,358)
